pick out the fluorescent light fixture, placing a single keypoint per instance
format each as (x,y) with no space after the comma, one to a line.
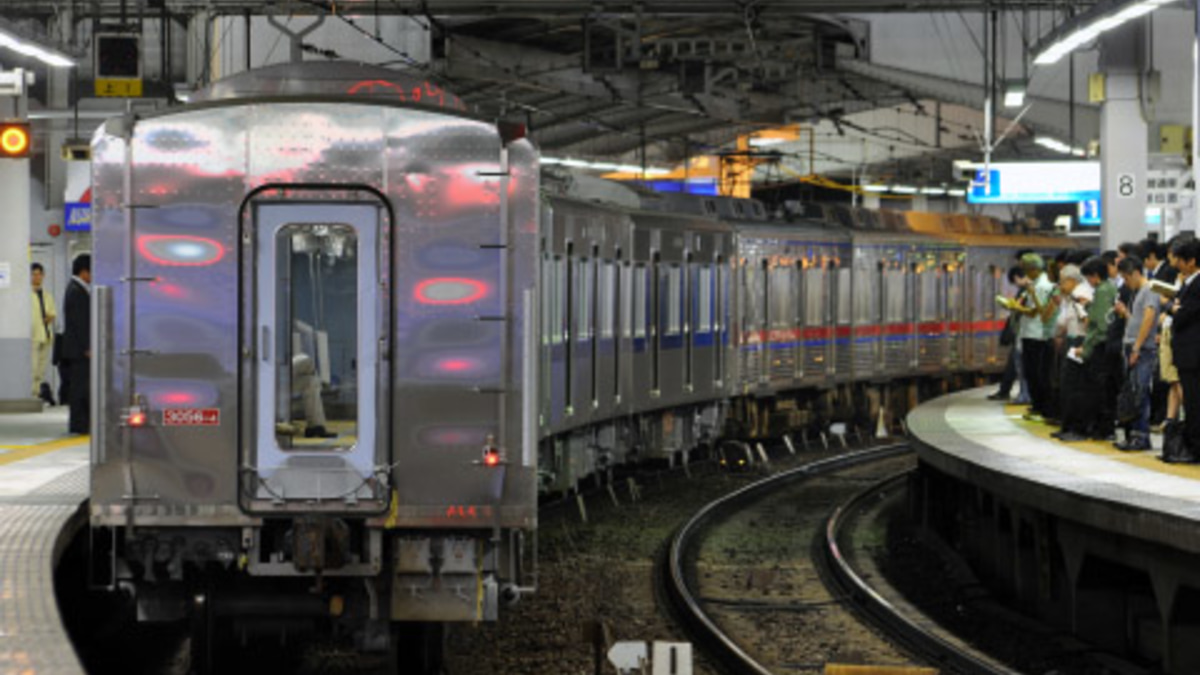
(602,166)
(51,57)
(956,192)
(904,189)
(758,142)
(1058,146)
(933,191)
(1089,29)
(875,188)
(1014,94)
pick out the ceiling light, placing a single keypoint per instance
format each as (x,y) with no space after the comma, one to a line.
(904,189)
(1014,94)
(758,142)
(1089,28)
(933,191)
(956,193)
(52,57)
(875,188)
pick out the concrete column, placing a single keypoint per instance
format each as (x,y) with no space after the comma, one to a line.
(1123,138)
(1195,224)
(15,295)
(870,200)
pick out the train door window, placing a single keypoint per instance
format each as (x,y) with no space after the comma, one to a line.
(719,308)
(639,300)
(765,298)
(584,279)
(316,325)
(616,315)
(594,322)
(674,300)
(781,290)
(608,300)
(844,295)
(929,294)
(569,325)
(656,313)
(704,300)
(814,295)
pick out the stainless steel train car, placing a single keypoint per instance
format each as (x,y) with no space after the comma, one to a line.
(343,334)
(672,321)
(315,354)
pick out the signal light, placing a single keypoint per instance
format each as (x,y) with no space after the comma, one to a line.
(491,454)
(136,417)
(14,140)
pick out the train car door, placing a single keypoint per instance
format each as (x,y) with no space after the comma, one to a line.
(319,326)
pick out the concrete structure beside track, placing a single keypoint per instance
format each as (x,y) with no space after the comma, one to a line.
(1092,540)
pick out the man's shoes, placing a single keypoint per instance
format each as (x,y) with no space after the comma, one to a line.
(997,397)
(1133,445)
(1107,438)
(1058,434)
(1072,437)
(318,431)
(1032,417)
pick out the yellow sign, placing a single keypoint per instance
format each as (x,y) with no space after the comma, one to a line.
(1096,88)
(119,88)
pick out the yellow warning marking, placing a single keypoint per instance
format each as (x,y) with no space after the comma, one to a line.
(1145,459)
(17,453)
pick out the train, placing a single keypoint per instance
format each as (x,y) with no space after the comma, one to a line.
(345,334)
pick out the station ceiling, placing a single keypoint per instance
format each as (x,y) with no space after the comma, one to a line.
(658,80)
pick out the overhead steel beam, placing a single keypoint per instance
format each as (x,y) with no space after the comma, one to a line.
(534,8)
(1047,115)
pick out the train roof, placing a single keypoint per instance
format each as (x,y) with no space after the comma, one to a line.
(333,79)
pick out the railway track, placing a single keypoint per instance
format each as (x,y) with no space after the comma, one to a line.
(710,592)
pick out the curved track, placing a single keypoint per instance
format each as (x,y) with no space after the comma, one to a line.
(722,647)
(912,631)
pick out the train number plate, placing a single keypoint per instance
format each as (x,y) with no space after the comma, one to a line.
(191,417)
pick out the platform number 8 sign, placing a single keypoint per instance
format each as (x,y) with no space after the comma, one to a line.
(1126,185)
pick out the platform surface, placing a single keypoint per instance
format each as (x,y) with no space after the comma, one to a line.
(988,444)
(43,485)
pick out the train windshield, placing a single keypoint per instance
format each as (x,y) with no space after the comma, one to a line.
(316,375)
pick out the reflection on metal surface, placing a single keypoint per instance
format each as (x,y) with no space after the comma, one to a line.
(450,291)
(180,250)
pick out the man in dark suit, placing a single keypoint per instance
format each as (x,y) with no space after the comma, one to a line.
(77,348)
(1185,340)
(1155,256)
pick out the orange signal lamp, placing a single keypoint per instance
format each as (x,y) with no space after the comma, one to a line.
(136,418)
(491,457)
(14,140)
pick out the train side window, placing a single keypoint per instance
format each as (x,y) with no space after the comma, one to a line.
(316,345)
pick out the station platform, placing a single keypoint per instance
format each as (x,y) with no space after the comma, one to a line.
(43,487)
(989,444)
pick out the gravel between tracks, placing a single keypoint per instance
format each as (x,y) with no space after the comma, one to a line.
(604,570)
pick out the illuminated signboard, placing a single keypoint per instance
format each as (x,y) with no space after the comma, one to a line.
(1036,183)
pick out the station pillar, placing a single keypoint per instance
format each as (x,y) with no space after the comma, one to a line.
(1124,137)
(15,294)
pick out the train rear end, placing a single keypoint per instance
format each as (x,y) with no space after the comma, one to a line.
(313,321)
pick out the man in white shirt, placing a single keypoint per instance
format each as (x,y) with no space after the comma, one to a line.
(42,334)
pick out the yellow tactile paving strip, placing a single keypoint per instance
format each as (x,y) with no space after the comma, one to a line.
(1146,459)
(16,453)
